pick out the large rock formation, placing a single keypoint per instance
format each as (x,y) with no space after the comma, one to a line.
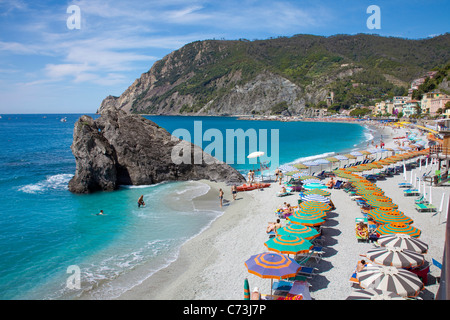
(122,149)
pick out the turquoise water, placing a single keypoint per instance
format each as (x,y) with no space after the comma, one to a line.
(45,229)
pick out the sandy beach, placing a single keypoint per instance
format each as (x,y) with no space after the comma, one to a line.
(211,265)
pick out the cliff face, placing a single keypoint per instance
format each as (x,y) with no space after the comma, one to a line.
(122,149)
(252,77)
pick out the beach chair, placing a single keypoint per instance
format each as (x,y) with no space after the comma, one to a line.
(411,192)
(338,184)
(405,185)
(283,286)
(360,237)
(321,175)
(420,199)
(425,207)
(308,272)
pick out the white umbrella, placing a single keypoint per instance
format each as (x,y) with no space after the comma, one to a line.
(256,154)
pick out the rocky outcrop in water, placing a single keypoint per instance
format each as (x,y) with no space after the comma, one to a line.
(123,149)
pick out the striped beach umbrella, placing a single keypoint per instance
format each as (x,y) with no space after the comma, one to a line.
(398,228)
(288,244)
(315,197)
(311,186)
(385,217)
(300,166)
(404,241)
(319,192)
(308,213)
(304,232)
(307,181)
(395,257)
(246,290)
(272,265)
(309,221)
(373,294)
(378,204)
(315,204)
(400,281)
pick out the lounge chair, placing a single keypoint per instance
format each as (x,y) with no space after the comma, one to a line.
(282,286)
(338,184)
(405,185)
(420,199)
(411,192)
(425,207)
(307,272)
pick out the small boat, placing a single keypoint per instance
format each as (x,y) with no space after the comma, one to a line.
(64,119)
(254,186)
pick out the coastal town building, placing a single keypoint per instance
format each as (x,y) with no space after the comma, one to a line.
(433,103)
(410,108)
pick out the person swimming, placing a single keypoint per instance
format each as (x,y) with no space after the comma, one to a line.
(100,213)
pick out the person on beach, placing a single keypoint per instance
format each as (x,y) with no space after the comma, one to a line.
(361,265)
(288,211)
(221,197)
(362,231)
(330,184)
(253,175)
(249,178)
(277,171)
(273,226)
(280,175)
(141,201)
(234,191)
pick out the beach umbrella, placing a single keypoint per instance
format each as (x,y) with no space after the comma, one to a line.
(288,244)
(390,217)
(341,157)
(307,181)
(255,154)
(378,204)
(306,177)
(310,213)
(315,204)
(287,168)
(311,186)
(351,156)
(395,257)
(400,281)
(398,228)
(272,265)
(300,166)
(403,241)
(373,294)
(319,192)
(302,231)
(315,197)
(306,220)
(246,290)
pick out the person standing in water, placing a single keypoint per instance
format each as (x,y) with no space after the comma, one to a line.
(141,201)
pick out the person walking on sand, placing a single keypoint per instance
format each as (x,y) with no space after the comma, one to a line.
(280,175)
(253,175)
(221,197)
(234,191)
(141,201)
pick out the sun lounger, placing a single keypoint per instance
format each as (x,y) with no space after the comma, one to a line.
(411,192)
(420,199)
(338,184)
(282,286)
(425,207)
(308,272)
(405,185)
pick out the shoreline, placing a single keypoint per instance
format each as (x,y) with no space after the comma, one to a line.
(217,255)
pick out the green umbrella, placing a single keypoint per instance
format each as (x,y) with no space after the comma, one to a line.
(319,192)
(306,221)
(299,230)
(246,290)
(288,244)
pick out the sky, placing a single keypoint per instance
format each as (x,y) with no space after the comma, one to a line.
(67,56)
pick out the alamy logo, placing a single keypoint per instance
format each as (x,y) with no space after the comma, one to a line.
(74,21)
(374,21)
(234,144)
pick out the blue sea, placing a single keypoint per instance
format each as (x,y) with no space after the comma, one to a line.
(46,231)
